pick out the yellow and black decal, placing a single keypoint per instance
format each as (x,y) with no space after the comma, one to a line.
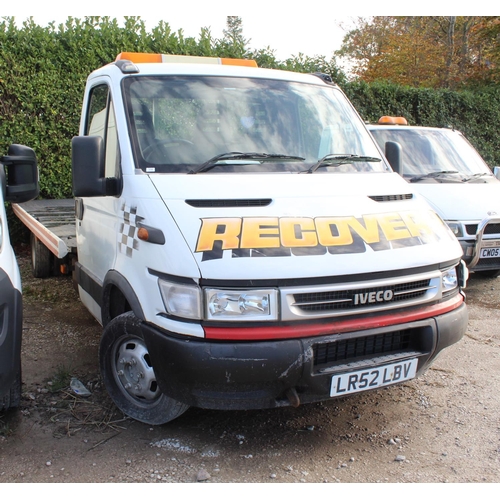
(287,236)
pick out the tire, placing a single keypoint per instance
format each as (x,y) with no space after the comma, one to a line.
(41,258)
(129,376)
(13,398)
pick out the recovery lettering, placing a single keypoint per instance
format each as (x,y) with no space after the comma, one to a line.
(269,236)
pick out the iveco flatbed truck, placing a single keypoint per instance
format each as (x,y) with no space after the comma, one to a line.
(244,243)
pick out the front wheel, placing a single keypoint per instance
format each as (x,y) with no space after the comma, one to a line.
(128,374)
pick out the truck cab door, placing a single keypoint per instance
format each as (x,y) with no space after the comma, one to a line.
(97,187)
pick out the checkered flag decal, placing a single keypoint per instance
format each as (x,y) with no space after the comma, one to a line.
(127,241)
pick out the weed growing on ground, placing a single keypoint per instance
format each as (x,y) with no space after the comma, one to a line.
(60,380)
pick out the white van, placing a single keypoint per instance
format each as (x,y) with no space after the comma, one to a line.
(18,183)
(444,167)
(245,244)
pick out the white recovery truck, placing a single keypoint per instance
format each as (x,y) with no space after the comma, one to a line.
(243,241)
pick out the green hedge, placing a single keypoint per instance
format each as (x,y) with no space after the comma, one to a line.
(475,113)
(43,72)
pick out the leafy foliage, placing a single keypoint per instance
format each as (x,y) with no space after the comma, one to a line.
(429,51)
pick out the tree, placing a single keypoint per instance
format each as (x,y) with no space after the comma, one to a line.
(429,51)
(486,67)
(233,44)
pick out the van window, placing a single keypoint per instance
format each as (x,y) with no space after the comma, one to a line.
(101,122)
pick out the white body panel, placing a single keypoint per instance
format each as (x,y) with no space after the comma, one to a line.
(462,202)
(299,196)
(292,197)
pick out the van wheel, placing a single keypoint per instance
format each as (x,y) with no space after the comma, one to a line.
(128,374)
(41,258)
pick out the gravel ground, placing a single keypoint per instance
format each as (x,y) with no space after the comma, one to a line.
(441,428)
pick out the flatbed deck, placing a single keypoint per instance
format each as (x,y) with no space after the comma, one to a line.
(52,222)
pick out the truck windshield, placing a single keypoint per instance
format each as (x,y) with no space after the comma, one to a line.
(179,124)
(434,154)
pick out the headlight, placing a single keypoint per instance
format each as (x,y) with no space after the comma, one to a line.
(456,228)
(181,299)
(241,305)
(185,301)
(449,280)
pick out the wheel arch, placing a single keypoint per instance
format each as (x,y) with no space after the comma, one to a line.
(128,374)
(118,297)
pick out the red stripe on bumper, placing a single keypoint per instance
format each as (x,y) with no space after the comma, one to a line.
(340,326)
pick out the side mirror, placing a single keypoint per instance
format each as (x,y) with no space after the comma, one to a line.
(19,174)
(393,153)
(87,159)
(496,172)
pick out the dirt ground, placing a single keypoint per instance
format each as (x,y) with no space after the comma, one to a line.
(441,428)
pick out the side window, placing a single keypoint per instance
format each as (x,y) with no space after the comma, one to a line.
(101,122)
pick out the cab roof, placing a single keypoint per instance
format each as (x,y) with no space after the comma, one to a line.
(130,63)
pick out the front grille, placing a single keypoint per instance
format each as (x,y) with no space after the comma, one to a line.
(356,298)
(489,229)
(241,203)
(337,299)
(487,264)
(361,347)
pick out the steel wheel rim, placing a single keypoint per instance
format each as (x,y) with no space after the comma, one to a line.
(133,371)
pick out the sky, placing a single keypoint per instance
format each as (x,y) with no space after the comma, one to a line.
(309,27)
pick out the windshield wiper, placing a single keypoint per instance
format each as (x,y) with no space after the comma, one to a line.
(475,176)
(431,175)
(338,159)
(236,156)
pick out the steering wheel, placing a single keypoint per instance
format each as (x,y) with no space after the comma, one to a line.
(158,150)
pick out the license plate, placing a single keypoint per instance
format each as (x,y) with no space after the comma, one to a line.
(488,253)
(372,378)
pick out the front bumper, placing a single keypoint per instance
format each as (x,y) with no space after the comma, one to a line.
(471,248)
(472,259)
(11,320)
(267,374)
